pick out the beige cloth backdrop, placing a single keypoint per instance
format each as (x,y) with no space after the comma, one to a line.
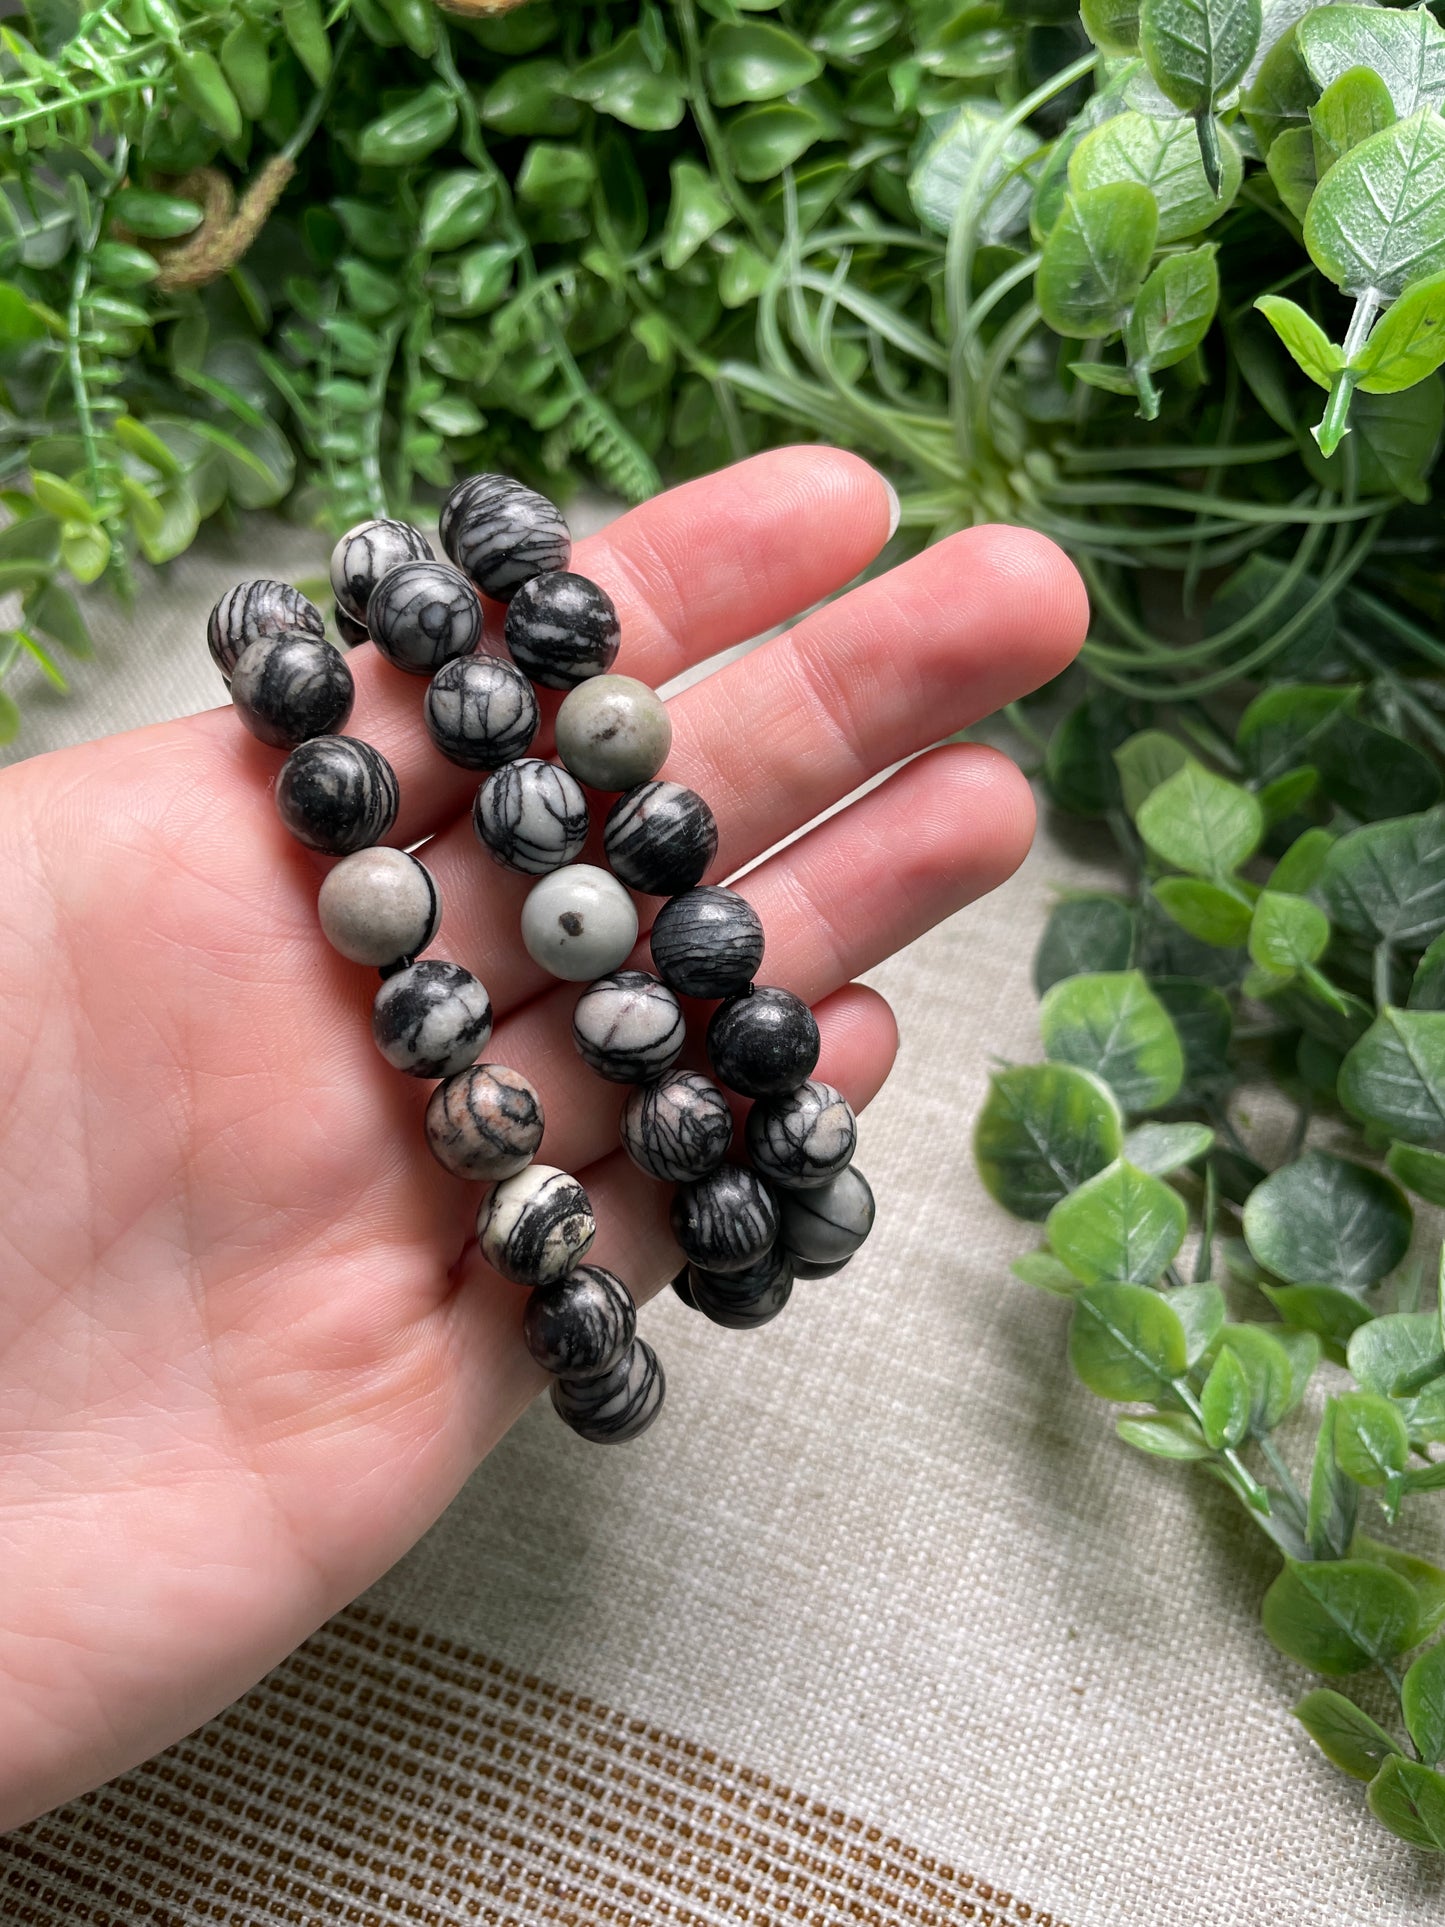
(879,1624)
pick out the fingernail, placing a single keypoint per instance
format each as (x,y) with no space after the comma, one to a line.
(895,507)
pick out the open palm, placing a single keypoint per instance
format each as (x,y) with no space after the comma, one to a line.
(247,1349)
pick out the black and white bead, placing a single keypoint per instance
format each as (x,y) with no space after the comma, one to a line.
(617,1406)
(422,614)
(803,1138)
(725,1221)
(351,632)
(678,1127)
(531,816)
(379,905)
(290,687)
(535,1227)
(432,1019)
(255,609)
(581,1326)
(763,1041)
(707,943)
(561,629)
(501,534)
(660,838)
(480,712)
(826,1225)
(628,1027)
(484,1123)
(365,554)
(743,1300)
(337,794)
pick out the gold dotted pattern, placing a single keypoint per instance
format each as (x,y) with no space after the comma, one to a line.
(386,1775)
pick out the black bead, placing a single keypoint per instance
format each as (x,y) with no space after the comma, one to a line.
(764,1041)
(682,1286)
(707,943)
(742,1300)
(582,1326)
(620,1404)
(290,687)
(802,1268)
(351,632)
(725,1221)
(501,534)
(561,629)
(422,614)
(255,609)
(480,712)
(660,838)
(337,794)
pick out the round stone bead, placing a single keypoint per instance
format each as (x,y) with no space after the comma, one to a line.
(742,1300)
(351,632)
(660,838)
(378,905)
(531,816)
(422,614)
(678,1127)
(501,534)
(802,1268)
(290,687)
(365,554)
(255,609)
(762,1041)
(582,1326)
(829,1222)
(619,1405)
(534,1228)
(628,1027)
(802,1138)
(682,1287)
(337,794)
(484,1123)
(561,629)
(707,943)
(613,732)
(431,1019)
(480,712)
(725,1221)
(578,923)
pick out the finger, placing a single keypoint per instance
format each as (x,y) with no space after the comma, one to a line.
(776,738)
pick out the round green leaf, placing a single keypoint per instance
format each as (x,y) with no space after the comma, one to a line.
(1111,1023)
(532,97)
(160,217)
(1331,1314)
(1200,823)
(1340,1616)
(1287,932)
(1044,1129)
(1197,50)
(1112,25)
(1224,1401)
(1395,1075)
(1369,225)
(1162,1148)
(762,141)
(1164,1435)
(1407,343)
(1345,1735)
(458,207)
(1326,1220)
(1125,1342)
(1083,934)
(998,193)
(1404,48)
(556,174)
(1371,1444)
(1121,1227)
(1386,882)
(1146,761)
(1422,1698)
(1216,913)
(755,60)
(1409,1799)
(1162,155)
(1422,1172)
(1402,1348)
(1276,1377)
(1095,259)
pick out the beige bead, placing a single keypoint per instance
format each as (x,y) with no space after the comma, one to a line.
(379,905)
(613,732)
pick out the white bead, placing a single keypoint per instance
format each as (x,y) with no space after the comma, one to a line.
(579,923)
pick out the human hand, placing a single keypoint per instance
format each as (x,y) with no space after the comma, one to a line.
(248,1348)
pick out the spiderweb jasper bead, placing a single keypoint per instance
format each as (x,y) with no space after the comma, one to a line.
(613,732)
(255,609)
(827,1224)
(501,534)
(431,1019)
(678,1127)
(290,687)
(725,1221)
(578,923)
(351,632)
(561,629)
(531,816)
(660,838)
(365,553)
(762,1041)
(742,1300)
(337,794)
(618,1406)
(802,1138)
(422,614)
(628,1027)
(682,1287)
(803,1269)
(707,943)
(480,712)
(379,905)
(484,1123)
(534,1228)
(580,1327)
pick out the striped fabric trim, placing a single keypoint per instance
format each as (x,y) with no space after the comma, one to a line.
(383,1774)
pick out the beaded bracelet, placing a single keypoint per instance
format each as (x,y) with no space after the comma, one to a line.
(801,1208)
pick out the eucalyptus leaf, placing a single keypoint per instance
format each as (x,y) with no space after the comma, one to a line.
(1164,1435)
(1333,1497)
(1371,1443)
(1084,934)
(1340,1616)
(1162,1148)
(1095,259)
(1409,1799)
(1197,50)
(1287,932)
(1044,1129)
(1283,728)
(1216,913)
(1162,155)
(1225,1401)
(1352,107)
(1121,1227)
(1170,318)
(1420,1171)
(1402,1348)
(1369,227)
(1201,823)
(1150,758)
(952,173)
(1043,1269)
(1125,1342)
(1326,1219)
(1395,1075)
(1345,1734)
(1422,1699)
(1112,1024)
(1330,1312)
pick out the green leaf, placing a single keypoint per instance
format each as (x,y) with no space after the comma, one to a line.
(1351,108)
(159,217)
(1162,1148)
(695,213)
(1112,25)
(410,131)
(1397,439)
(458,206)
(1084,934)
(1162,155)
(1409,1799)
(84,549)
(1407,343)
(304,27)
(1372,772)
(1196,50)
(1313,351)
(1283,728)
(1369,225)
(1326,1220)
(1200,823)
(1371,1443)
(756,60)
(532,97)
(1044,1129)
(1125,1342)
(1043,1269)
(1422,1699)
(1340,1616)
(1399,1349)
(1164,1435)
(1425,1580)
(1224,1402)
(1287,932)
(1403,48)
(1427,989)
(1294,170)
(1347,1737)
(1095,259)
(622,82)
(762,141)
(1332,1314)
(203,87)
(952,167)
(1334,1499)
(1395,1075)
(60,498)
(1150,758)
(1280,93)
(1111,1023)
(1302,864)
(1385,883)
(1275,1378)
(1173,313)
(1121,1227)
(1216,913)
(1422,1172)
(54,611)
(556,174)
(1203,1024)
(1200,1309)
